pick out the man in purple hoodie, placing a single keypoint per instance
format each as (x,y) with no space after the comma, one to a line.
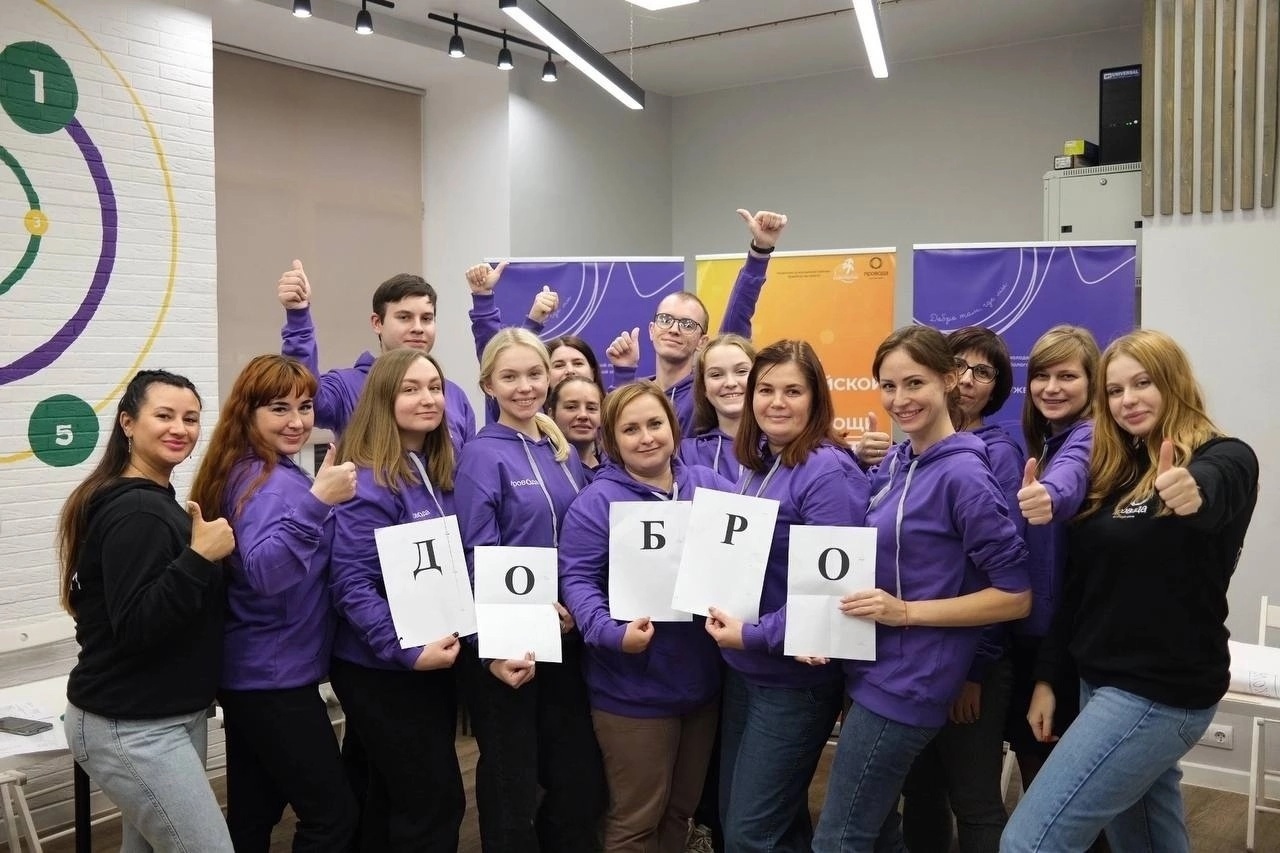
(404,315)
(678,329)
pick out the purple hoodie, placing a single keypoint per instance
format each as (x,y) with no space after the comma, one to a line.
(340,388)
(279,627)
(944,531)
(680,670)
(738,312)
(366,635)
(1066,476)
(827,488)
(714,450)
(486,321)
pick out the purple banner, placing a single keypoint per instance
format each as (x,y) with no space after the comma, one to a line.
(599,298)
(1022,291)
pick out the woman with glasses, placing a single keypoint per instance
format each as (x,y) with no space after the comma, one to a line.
(1057,422)
(960,770)
(279,631)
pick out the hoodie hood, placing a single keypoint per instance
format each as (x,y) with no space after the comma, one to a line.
(116,488)
(712,449)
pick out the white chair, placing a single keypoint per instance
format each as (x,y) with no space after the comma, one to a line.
(1268,617)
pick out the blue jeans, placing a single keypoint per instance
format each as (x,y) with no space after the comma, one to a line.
(872,759)
(153,770)
(771,740)
(1115,768)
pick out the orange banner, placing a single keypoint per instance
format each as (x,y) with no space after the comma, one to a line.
(839,301)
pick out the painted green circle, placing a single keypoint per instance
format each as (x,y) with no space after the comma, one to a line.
(37,88)
(63,431)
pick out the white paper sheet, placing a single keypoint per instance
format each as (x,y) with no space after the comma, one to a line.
(425,573)
(516,591)
(725,553)
(646,539)
(824,564)
(1255,669)
(54,740)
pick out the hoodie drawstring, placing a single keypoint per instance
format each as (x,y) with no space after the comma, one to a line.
(537,475)
(897,530)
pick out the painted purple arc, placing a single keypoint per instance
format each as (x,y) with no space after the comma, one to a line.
(49,351)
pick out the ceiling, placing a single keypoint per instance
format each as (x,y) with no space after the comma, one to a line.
(718,43)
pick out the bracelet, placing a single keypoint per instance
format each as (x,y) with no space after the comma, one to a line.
(759,250)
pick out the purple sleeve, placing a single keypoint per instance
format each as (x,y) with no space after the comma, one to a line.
(990,649)
(298,340)
(1066,477)
(623,376)
(1006,466)
(460,415)
(741,306)
(989,535)
(486,320)
(355,576)
(277,535)
(584,564)
(476,502)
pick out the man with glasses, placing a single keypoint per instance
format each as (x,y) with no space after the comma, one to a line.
(678,329)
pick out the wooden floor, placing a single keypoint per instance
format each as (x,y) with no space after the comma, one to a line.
(1216,819)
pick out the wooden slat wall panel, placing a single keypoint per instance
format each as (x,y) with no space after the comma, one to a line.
(1227,146)
(1187,121)
(1168,21)
(1248,103)
(1270,82)
(1149,108)
(1208,128)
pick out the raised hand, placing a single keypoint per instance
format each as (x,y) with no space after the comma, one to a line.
(482,278)
(514,673)
(1034,500)
(212,540)
(1176,487)
(293,290)
(874,445)
(639,635)
(334,483)
(544,304)
(625,349)
(765,227)
(439,655)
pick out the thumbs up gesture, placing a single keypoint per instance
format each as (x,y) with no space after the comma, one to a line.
(625,349)
(874,445)
(1034,499)
(482,278)
(293,290)
(212,540)
(334,483)
(544,304)
(765,227)
(1176,487)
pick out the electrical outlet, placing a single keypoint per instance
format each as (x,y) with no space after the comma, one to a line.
(1219,737)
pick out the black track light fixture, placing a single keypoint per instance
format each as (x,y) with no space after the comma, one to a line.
(302,8)
(456,50)
(505,61)
(364,21)
(549,70)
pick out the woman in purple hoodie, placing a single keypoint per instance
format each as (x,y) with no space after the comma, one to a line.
(1057,419)
(400,702)
(279,627)
(516,479)
(948,560)
(653,688)
(779,711)
(719,394)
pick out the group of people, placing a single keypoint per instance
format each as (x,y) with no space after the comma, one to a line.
(1074,590)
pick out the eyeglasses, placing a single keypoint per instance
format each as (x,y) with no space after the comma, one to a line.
(984,373)
(684,324)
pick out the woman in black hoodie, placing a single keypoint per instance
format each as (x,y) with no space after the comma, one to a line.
(140,575)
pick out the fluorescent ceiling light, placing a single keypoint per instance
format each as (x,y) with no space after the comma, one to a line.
(655,5)
(868,12)
(562,39)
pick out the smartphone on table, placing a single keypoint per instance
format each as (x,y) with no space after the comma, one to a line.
(23,726)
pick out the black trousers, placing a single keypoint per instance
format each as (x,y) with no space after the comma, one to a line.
(281,751)
(539,736)
(405,720)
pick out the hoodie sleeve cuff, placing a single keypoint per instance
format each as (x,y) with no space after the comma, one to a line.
(754,638)
(312,511)
(611,636)
(408,657)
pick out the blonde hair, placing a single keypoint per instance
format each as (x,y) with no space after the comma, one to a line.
(705,418)
(500,343)
(1113,464)
(1059,344)
(372,438)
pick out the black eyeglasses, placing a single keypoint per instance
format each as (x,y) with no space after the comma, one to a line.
(984,373)
(684,324)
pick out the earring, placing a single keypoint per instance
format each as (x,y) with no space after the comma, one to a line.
(129,440)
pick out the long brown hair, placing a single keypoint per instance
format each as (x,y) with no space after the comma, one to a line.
(236,437)
(1059,344)
(822,412)
(372,439)
(577,343)
(1118,459)
(705,417)
(930,349)
(73,521)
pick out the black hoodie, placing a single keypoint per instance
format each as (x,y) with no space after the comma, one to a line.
(149,610)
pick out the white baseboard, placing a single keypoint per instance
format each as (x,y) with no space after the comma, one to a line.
(1223,779)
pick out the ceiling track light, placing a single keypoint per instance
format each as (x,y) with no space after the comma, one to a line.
(549,70)
(560,37)
(302,8)
(868,12)
(364,21)
(456,50)
(505,60)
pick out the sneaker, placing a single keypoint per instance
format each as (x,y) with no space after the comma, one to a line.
(699,840)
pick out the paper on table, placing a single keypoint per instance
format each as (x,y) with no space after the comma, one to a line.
(516,591)
(1254,669)
(824,564)
(54,740)
(646,539)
